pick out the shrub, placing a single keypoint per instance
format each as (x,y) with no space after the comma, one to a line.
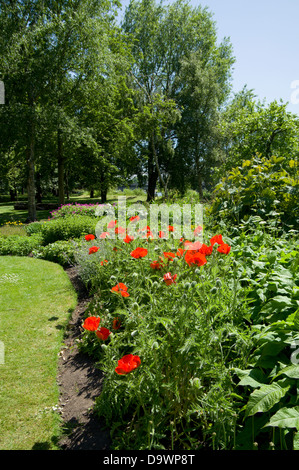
(69,227)
(262,187)
(61,252)
(34,227)
(19,245)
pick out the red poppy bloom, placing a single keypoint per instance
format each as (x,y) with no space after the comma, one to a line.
(156,265)
(170,228)
(127,364)
(162,234)
(103,333)
(120,230)
(116,323)
(121,288)
(89,237)
(91,323)
(194,246)
(169,279)
(197,230)
(194,257)
(93,249)
(112,224)
(216,239)
(139,252)
(180,252)
(104,234)
(169,255)
(134,218)
(105,261)
(224,248)
(128,239)
(206,250)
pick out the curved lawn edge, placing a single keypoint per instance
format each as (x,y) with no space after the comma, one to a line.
(37,299)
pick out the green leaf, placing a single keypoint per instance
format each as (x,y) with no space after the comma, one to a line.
(253,378)
(285,418)
(263,399)
(290,371)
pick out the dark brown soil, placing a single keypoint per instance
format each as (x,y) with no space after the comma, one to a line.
(80,383)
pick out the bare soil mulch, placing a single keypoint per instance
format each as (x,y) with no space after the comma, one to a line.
(80,382)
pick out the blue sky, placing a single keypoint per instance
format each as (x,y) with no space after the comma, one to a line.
(265,39)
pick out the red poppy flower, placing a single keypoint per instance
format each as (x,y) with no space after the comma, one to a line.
(121,288)
(139,252)
(224,248)
(127,364)
(128,239)
(156,265)
(194,257)
(104,234)
(103,333)
(112,224)
(105,261)
(197,230)
(93,249)
(120,230)
(169,255)
(180,252)
(169,279)
(134,218)
(89,237)
(216,239)
(91,323)
(170,228)
(206,250)
(162,234)
(194,246)
(116,323)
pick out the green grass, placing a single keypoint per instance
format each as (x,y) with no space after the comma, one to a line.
(36,299)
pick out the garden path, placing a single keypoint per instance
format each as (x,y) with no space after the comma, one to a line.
(79,383)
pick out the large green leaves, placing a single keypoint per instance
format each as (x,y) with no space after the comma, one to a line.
(263,399)
(285,418)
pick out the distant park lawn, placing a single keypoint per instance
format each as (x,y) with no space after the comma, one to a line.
(36,300)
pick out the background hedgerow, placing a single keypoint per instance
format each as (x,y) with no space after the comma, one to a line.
(68,227)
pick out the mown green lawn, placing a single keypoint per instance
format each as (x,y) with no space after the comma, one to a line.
(36,300)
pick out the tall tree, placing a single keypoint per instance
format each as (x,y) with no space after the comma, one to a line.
(162,38)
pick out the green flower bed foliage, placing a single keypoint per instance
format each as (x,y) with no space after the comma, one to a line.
(61,252)
(265,187)
(188,334)
(66,228)
(217,346)
(19,245)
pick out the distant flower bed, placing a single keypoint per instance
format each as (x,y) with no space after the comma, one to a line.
(76,209)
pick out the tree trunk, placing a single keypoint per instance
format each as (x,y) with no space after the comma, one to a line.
(38,188)
(152,178)
(103,196)
(31,177)
(199,178)
(60,167)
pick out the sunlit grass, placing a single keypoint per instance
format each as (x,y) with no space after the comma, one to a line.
(36,299)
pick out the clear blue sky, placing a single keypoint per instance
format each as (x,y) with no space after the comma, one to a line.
(265,39)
